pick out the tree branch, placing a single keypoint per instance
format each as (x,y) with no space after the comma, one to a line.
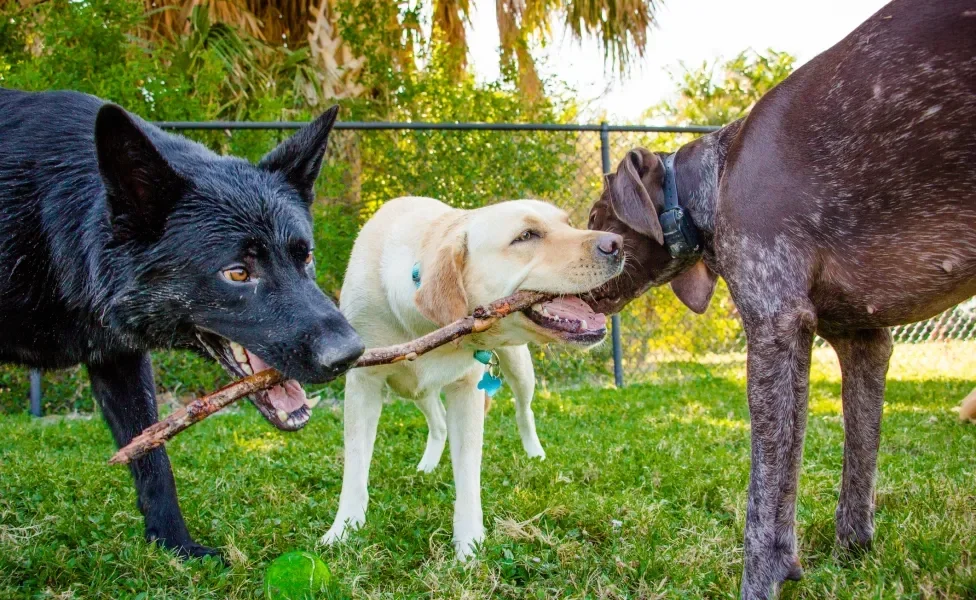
(481,320)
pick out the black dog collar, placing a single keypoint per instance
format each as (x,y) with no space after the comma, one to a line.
(681,236)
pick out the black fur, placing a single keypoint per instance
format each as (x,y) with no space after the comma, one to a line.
(114,237)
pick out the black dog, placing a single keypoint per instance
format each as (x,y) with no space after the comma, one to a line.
(117,238)
(844,204)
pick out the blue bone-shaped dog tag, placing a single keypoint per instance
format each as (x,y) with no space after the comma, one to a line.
(490,384)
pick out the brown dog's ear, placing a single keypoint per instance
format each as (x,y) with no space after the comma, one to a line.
(441,296)
(629,197)
(695,287)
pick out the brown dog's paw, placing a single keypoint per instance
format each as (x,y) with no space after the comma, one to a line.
(764,578)
(854,529)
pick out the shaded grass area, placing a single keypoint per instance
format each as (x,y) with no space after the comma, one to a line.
(642,496)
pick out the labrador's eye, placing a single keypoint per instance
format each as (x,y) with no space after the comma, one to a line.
(236,274)
(527,235)
(309,258)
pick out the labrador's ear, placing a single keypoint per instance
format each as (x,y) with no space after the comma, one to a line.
(441,296)
(695,287)
(630,196)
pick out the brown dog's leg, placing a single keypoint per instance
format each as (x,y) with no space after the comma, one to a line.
(779,372)
(864,364)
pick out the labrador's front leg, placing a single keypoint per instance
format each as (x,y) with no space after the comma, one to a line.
(779,348)
(361,415)
(465,434)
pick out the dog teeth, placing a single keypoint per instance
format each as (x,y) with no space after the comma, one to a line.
(246,367)
(313,401)
(583,324)
(240,354)
(537,307)
(282,415)
(545,312)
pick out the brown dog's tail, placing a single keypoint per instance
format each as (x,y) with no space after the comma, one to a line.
(967,412)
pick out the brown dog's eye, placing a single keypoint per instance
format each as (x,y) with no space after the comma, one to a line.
(527,235)
(309,258)
(236,274)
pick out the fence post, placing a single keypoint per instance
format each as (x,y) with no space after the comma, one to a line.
(618,366)
(35,392)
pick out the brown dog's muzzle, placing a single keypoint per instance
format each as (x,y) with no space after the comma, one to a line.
(641,254)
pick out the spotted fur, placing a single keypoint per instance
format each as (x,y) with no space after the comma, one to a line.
(844,204)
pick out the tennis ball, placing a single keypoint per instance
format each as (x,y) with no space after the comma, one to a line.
(297,576)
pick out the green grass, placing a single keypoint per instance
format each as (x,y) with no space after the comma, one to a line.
(642,496)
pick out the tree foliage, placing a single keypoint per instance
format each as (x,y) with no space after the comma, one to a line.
(719,92)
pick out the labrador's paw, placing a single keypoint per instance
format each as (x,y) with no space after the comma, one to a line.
(340,530)
(534,450)
(465,546)
(334,535)
(430,460)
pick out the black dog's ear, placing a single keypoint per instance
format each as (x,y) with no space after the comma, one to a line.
(299,158)
(695,287)
(141,186)
(629,197)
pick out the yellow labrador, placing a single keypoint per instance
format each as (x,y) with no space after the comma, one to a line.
(419,264)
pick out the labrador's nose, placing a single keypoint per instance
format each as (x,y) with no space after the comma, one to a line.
(609,244)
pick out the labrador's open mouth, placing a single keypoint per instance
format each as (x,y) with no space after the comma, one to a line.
(285,406)
(570,319)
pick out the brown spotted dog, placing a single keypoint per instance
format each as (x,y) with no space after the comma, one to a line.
(844,204)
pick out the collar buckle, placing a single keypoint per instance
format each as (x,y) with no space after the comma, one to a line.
(681,236)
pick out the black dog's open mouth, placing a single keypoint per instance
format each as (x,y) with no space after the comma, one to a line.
(285,406)
(570,319)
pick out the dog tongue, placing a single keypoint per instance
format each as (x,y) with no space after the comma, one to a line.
(572,307)
(289,396)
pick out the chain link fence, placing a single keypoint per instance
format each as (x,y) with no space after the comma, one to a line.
(473,164)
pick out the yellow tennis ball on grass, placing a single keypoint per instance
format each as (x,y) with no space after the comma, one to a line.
(297,576)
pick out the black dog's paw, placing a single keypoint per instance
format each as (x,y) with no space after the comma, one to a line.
(188,549)
(195,550)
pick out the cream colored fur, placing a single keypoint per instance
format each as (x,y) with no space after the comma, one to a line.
(967,411)
(467,258)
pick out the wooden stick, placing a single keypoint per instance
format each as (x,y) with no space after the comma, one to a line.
(481,320)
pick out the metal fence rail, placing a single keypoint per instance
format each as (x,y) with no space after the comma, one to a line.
(472,164)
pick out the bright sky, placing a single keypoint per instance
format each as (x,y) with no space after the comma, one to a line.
(689,31)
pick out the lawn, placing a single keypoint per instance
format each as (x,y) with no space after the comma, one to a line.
(642,496)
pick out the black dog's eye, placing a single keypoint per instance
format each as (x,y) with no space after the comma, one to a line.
(236,274)
(528,234)
(309,258)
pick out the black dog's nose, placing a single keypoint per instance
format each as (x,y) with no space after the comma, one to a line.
(339,356)
(609,244)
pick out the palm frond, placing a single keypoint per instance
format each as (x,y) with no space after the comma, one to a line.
(620,26)
(449,21)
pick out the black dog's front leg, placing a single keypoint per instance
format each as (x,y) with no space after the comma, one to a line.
(125,390)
